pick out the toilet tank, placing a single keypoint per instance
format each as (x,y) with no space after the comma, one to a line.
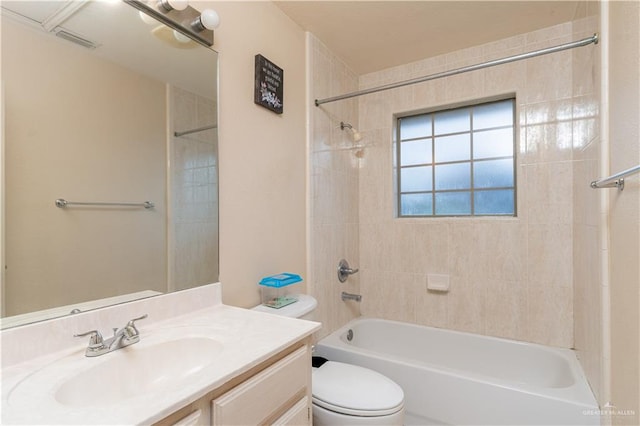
(304,308)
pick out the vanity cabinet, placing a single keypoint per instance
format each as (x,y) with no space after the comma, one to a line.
(276,392)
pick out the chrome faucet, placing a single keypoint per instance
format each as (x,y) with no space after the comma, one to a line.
(127,335)
(349,296)
(344,270)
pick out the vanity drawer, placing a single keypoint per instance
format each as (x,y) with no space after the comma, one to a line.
(192,419)
(266,394)
(297,415)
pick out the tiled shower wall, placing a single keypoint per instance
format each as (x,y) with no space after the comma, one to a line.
(193,217)
(509,277)
(333,188)
(587,244)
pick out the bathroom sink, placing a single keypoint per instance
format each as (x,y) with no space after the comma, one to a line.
(157,365)
(134,371)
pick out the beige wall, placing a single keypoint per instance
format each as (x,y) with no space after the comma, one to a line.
(333,191)
(510,277)
(624,140)
(122,160)
(262,155)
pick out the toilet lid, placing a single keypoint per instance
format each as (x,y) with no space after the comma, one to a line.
(350,389)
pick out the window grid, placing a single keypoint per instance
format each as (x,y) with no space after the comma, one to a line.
(472,190)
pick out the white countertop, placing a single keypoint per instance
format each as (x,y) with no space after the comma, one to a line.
(247,337)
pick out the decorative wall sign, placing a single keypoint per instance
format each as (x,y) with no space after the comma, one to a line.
(269,85)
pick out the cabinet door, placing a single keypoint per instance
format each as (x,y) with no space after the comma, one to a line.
(298,415)
(192,419)
(266,393)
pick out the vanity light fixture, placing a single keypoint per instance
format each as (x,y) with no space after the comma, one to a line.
(170,5)
(178,15)
(208,20)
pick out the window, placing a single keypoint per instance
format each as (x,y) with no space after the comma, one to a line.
(457,162)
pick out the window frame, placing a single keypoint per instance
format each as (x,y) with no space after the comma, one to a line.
(471,161)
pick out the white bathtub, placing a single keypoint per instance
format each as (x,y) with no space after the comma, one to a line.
(457,378)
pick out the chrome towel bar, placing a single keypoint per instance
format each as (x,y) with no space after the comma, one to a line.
(199,129)
(62,203)
(616,180)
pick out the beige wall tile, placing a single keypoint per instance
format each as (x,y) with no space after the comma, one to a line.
(624,140)
(587,275)
(549,142)
(465,87)
(549,189)
(431,306)
(466,308)
(391,295)
(507,313)
(431,245)
(334,188)
(550,255)
(485,258)
(549,307)
(506,79)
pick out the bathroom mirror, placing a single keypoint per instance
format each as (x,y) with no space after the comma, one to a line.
(104,105)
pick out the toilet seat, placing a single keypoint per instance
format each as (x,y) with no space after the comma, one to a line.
(355,391)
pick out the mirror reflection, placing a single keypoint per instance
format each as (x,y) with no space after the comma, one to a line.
(93,99)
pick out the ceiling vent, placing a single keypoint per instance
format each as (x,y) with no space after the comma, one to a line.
(75,39)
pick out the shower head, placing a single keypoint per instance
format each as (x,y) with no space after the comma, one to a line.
(355,135)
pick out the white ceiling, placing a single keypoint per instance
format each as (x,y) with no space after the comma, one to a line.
(124,38)
(373,35)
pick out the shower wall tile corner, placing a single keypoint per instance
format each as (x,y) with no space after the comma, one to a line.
(333,192)
(587,305)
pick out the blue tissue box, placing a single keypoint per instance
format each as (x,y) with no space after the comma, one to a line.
(274,289)
(280,280)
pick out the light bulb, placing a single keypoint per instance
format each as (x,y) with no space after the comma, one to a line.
(209,20)
(170,5)
(147,19)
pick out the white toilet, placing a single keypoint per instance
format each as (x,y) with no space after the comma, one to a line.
(346,394)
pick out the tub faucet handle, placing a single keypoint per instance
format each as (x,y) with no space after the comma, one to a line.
(344,270)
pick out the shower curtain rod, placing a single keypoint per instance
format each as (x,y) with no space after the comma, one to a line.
(199,129)
(584,42)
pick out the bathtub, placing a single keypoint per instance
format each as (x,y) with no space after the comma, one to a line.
(456,378)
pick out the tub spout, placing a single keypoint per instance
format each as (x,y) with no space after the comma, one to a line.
(348,296)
